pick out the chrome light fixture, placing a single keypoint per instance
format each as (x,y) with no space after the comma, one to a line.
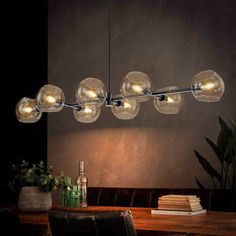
(136,87)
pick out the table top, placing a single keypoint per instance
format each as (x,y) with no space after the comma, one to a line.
(209,223)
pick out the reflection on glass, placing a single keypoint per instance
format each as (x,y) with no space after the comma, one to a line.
(91,90)
(88,114)
(128,109)
(171,104)
(136,83)
(211,86)
(50,98)
(26,111)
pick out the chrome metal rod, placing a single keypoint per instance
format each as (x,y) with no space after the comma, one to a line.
(72,105)
(159,93)
(117,99)
(174,91)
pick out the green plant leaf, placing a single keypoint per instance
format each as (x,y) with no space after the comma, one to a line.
(207,167)
(233,123)
(215,149)
(223,137)
(225,150)
(57,180)
(37,175)
(229,150)
(199,184)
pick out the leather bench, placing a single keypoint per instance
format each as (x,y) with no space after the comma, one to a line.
(211,199)
(140,197)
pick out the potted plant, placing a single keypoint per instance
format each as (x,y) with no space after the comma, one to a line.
(223,179)
(35,183)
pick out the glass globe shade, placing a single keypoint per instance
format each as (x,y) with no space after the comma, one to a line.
(136,84)
(50,98)
(128,109)
(92,91)
(88,114)
(26,111)
(172,103)
(211,86)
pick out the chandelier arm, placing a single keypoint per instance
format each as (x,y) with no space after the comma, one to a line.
(175,91)
(119,97)
(158,94)
(72,105)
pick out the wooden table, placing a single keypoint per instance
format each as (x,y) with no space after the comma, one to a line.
(211,223)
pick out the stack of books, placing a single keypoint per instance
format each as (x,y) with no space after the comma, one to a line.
(179,205)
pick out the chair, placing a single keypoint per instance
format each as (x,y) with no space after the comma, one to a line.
(110,223)
(10,223)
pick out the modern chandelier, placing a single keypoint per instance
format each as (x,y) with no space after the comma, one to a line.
(136,88)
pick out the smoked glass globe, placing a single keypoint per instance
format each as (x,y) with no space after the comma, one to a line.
(26,111)
(128,109)
(136,84)
(88,114)
(92,91)
(50,98)
(171,104)
(207,86)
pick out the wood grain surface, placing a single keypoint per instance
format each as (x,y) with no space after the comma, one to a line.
(211,223)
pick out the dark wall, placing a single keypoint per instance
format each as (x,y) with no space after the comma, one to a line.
(24,71)
(171,41)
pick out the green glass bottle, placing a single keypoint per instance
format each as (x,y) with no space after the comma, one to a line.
(75,196)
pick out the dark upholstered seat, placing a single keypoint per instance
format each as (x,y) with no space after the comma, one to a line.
(141,197)
(115,223)
(10,223)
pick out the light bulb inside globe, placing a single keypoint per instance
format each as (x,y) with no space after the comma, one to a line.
(91,94)
(87,114)
(137,85)
(27,111)
(137,88)
(169,99)
(50,98)
(207,86)
(171,104)
(127,110)
(91,91)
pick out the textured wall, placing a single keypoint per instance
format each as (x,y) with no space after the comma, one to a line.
(169,40)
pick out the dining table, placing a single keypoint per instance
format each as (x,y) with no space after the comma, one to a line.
(145,222)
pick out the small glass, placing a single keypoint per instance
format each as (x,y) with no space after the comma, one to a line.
(70,197)
(74,197)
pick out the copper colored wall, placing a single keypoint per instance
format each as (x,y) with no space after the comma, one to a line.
(170,41)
